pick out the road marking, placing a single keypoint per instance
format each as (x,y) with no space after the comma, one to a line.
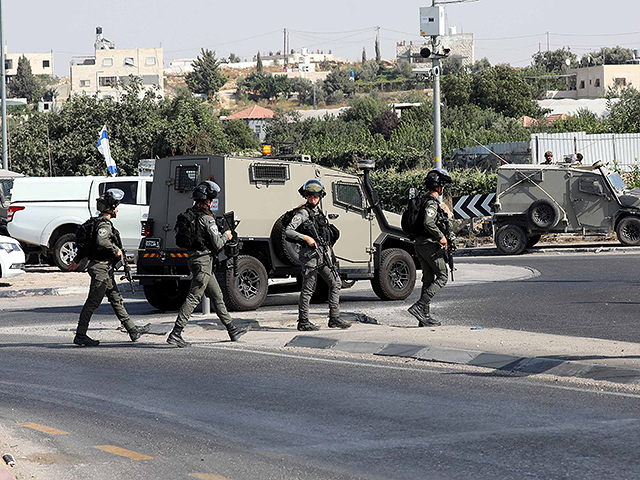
(123,452)
(208,476)
(43,428)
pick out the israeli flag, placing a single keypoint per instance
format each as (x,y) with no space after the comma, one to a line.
(103,148)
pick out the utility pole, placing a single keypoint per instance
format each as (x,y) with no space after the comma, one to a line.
(284,48)
(437,146)
(3,96)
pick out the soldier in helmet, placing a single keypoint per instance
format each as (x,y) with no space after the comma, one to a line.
(203,253)
(306,226)
(106,251)
(427,244)
(548,158)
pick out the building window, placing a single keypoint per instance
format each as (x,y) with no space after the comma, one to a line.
(46,64)
(150,61)
(107,81)
(128,62)
(107,62)
(150,80)
(8,63)
(581,83)
(621,82)
(597,82)
(85,83)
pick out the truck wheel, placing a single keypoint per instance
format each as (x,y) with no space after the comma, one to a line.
(628,231)
(286,251)
(396,277)
(64,250)
(511,239)
(167,296)
(249,289)
(532,240)
(543,214)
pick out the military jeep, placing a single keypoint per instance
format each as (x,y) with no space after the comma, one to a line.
(259,191)
(532,200)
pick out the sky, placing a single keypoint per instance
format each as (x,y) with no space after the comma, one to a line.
(506,31)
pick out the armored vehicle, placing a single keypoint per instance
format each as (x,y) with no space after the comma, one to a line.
(259,191)
(532,200)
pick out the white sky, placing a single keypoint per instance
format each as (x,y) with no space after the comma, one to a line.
(505,30)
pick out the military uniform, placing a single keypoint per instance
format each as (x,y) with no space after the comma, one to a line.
(313,263)
(202,265)
(104,254)
(434,271)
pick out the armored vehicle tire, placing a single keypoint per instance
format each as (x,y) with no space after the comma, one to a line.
(396,277)
(532,240)
(511,239)
(628,231)
(167,295)
(286,251)
(543,214)
(249,289)
(64,250)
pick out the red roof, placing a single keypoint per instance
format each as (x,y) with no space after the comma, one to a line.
(250,113)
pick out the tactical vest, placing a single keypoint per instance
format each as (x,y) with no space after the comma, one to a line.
(101,253)
(321,224)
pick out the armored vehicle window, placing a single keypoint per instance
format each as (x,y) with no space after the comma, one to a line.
(348,195)
(130,190)
(148,197)
(187,177)
(269,172)
(591,186)
(616,181)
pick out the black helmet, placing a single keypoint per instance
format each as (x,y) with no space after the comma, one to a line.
(438,177)
(312,187)
(109,200)
(206,190)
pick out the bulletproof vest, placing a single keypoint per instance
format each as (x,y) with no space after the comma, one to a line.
(442,222)
(317,219)
(98,252)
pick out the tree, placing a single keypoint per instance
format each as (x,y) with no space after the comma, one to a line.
(624,115)
(377,46)
(25,84)
(259,68)
(339,80)
(385,123)
(364,109)
(240,135)
(403,69)
(457,88)
(233,58)
(206,76)
(555,61)
(480,65)
(364,55)
(607,56)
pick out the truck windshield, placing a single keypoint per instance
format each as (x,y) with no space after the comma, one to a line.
(616,181)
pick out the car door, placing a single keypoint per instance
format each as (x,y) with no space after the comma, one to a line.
(130,210)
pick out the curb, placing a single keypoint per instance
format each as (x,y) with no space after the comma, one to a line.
(39,292)
(491,251)
(496,361)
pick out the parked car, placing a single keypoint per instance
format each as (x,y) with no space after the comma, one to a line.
(45,212)
(7,178)
(532,200)
(11,257)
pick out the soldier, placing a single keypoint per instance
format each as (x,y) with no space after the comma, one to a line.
(548,158)
(310,228)
(203,253)
(105,252)
(428,245)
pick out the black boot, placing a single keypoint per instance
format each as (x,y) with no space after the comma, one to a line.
(335,322)
(236,332)
(427,320)
(307,326)
(136,332)
(175,338)
(83,340)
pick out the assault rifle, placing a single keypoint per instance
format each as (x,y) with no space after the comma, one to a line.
(323,249)
(232,247)
(127,269)
(446,252)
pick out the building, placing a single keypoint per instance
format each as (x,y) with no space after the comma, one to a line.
(100,74)
(255,117)
(462,46)
(41,63)
(593,82)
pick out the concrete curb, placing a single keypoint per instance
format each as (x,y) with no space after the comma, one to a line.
(496,361)
(39,292)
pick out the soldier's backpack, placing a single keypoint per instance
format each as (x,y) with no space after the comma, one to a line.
(85,235)
(412,221)
(286,220)
(188,234)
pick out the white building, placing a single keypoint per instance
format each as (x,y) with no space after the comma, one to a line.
(101,73)
(41,63)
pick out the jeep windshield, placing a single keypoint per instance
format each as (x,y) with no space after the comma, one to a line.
(616,182)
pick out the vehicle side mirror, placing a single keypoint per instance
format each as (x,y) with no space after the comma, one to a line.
(333,216)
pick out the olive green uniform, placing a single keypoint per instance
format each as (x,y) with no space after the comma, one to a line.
(103,257)
(434,272)
(312,265)
(202,265)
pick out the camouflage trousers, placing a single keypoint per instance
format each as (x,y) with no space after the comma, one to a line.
(203,282)
(434,272)
(310,272)
(102,283)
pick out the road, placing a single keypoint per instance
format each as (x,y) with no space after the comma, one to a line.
(223,410)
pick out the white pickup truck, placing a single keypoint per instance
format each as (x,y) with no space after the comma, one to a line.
(45,211)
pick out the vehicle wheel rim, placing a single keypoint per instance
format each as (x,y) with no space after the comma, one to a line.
(542,215)
(249,283)
(68,252)
(631,233)
(510,241)
(399,275)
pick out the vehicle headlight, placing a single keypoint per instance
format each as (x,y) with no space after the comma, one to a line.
(9,247)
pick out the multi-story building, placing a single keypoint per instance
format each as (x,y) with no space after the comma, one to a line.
(41,63)
(101,73)
(593,82)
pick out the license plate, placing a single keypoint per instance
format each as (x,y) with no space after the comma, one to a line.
(151,243)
